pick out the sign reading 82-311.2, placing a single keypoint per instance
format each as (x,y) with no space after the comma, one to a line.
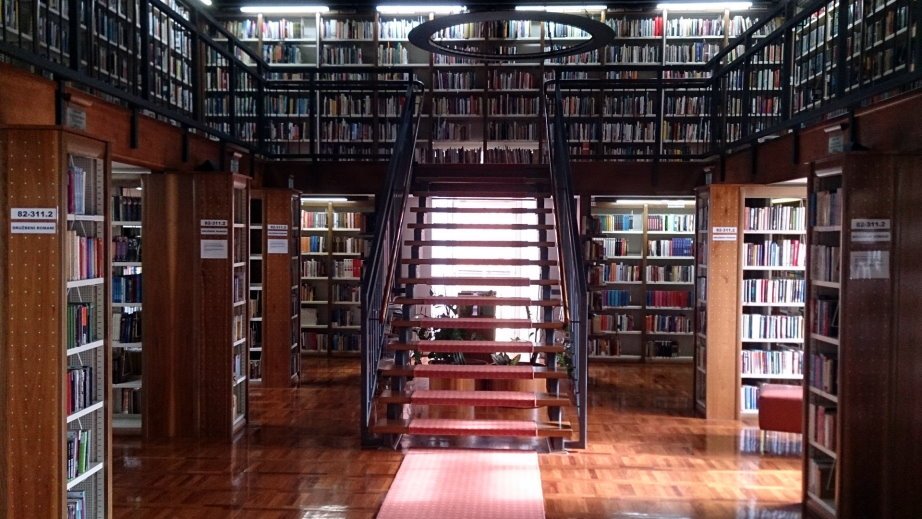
(34,213)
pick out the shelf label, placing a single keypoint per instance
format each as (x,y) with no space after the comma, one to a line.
(724,237)
(213,223)
(277,246)
(75,117)
(723,230)
(836,143)
(33,227)
(34,213)
(869,264)
(277,231)
(214,231)
(871,230)
(214,249)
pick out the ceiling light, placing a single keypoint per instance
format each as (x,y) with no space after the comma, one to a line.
(284,9)
(206,2)
(705,6)
(420,9)
(324,199)
(560,8)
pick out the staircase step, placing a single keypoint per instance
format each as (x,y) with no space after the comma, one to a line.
(476,300)
(446,427)
(479,281)
(476,243)
(481,226)
(457,190)
(481,210)
(479,261)
(479,372)
(520,399)
(474,323)
(483,347)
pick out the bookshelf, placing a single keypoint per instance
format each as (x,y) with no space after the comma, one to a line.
(717,272)
(196,361)
(642,279)
(127,296)
(334,241)
(861,352)
(276,361)
(751,244)
(56,370)
(773,250)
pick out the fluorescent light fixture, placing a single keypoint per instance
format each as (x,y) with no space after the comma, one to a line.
(284,9)
(560,8)
(325,199)
(206,2)
(642,201)
(705,6)
(415,9)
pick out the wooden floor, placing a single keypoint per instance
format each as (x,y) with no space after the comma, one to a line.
(299,458)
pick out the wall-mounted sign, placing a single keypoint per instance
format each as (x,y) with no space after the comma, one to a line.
(75,118)
(34,213)
(276,246)
(33,227)
(213,249)
(871,230)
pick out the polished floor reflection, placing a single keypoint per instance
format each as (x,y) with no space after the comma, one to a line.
(299,458)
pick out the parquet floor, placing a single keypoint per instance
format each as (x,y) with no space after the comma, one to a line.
(299,458)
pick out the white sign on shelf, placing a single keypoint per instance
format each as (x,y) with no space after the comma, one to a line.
(276,230)
(871,230)
(33,227)
(723,230)
(869,264)
(213,249)
(213,223)
(34,213)
(214,231)
(724,237)
(277,246)
(75,117)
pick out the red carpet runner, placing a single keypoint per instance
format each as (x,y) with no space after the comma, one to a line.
(466,484)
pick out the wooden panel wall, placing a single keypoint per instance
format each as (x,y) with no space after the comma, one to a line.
(277,283)
(169,271)
(723,305)
(31,353)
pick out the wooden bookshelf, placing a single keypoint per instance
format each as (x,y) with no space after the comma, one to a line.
(862,355)
(642,279)
(196,362)
(127,307)
(281,330)
(717,274)
(55,385)
(334,241)
(256,306)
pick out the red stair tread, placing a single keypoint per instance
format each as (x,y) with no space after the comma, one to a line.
(489,372)
(485,427)
(480,210)
(474,323)
(476,300)
(497,281)
(478,261)
(483,226)
(477,243)
(474,346)
(475,398)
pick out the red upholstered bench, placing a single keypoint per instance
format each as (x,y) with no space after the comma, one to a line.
(781,408)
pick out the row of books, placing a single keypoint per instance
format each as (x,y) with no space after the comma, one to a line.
(823,372)
(347,268)
(662,349)
(685,27)
(313,267)
(613,273)
(685,105)
(669,324)
(512,131)
(825,316)
(698,52)
(79,456)
(827,207)
(126,288)
(628,53)
(345,316)
(669,298)
(313,244)
(604,347)
(670,273)
(126,208)
(774,290)
(614,247)
(347,29)
(749,398)
(457,105)
(346,105)
(323,342)
(343,130)
(76,504)
(314,219)
(450,156)
(612,298)
(671,222)
(671,247)
(126,400)
(126,248)
(81,324)
(636,27)
(773,362)
(239,285)
(781,327)
(687,132)
(784,253)
(776,218)
(619,222)
(239,324)
(346,293)
(513,105)
(510,155)
(397,29)
(349,245)
(291,131)
(631,105)
(80,388)
(821,422)
(343,56)
(612,322)
(127,325)
(78,200)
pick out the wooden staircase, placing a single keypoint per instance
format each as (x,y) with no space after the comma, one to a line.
(447,264)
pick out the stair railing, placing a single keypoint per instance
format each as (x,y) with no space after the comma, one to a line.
(382,264)
(570,252)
